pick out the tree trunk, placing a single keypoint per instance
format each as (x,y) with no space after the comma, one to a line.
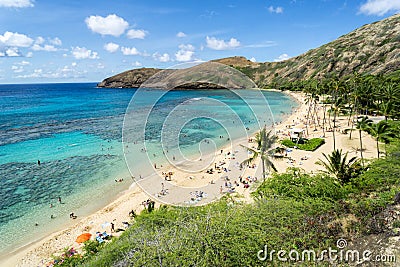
(352,127)
(316,112)
(350,115)
(377,146)
(263,168)
(352,120)
(324,119)
(315,116)
(308,117)
(334,130)
(361,150)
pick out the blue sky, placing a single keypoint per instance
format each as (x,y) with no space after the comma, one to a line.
(78,41)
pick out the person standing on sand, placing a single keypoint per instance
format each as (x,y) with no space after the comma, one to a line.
(112,227)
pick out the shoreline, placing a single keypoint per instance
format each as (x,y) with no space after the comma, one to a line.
(40,251)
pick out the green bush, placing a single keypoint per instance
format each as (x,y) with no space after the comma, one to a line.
(382,175)
(288,143)
(299,185)
(219,234)
(69,258)
(308,145)
(396,224)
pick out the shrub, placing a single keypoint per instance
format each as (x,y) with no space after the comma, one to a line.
(308,145)
(219,234)
(396,224)
(298,185)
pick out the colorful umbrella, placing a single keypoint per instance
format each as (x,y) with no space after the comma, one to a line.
(83,237)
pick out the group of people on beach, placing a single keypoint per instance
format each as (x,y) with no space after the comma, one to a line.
(52,216)
(163,191)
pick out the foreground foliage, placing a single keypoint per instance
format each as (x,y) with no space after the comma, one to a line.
(337,165)
(293,210)
(221,234)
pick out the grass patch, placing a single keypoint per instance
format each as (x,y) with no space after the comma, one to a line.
(304,144)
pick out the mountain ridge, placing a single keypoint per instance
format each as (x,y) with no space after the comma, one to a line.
(370,49)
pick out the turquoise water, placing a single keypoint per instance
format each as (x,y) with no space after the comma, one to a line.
(75,130)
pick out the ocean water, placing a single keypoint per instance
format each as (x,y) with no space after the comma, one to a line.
(75,130)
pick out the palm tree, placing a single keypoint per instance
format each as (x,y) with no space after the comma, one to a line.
(381,131)
(264,150)
(316,97)
(388,91)
(386,108)
(355,95)
(338,165)
(363,125)
(336,109)
(309,102)
(337,87)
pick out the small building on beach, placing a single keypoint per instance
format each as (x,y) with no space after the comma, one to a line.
(295,134)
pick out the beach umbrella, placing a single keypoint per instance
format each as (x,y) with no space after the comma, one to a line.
(83,237)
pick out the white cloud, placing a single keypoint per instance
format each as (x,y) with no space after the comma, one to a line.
(24,63)
(136,64)
(17,69)
(217,44)
(136,34)
(253,59)
(111,47)
(282,57)
(16,3)
(162,58)
(380,7)
(277,10)
(29,54)
(48,48)
(66,68)
(185,53)
(2,54)
(40,46)
(15,39)
(129,51)
(110,25)
(36,74)
(12,52)
(55,41)
(63,72)
(83,53)
(39,40)
(263,44)
(181,34)
(74,64)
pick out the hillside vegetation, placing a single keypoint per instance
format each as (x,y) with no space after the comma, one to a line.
(293,210)
(373,49)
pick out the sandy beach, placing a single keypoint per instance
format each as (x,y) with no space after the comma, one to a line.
(117,212)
